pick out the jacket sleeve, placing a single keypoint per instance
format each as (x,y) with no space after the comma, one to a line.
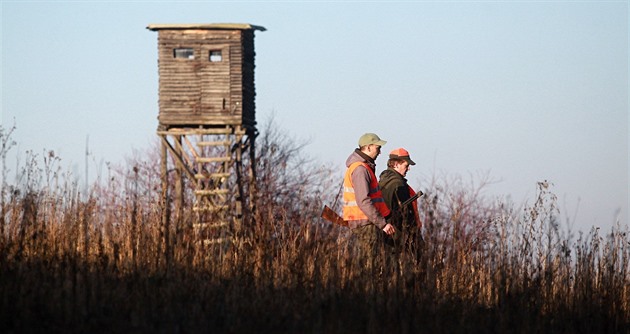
(361,184)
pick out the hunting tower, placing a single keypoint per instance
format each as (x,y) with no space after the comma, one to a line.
(207,122)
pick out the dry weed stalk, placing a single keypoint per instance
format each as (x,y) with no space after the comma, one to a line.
(99,262)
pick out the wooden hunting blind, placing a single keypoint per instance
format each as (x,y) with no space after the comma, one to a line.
(206,74)
(207,117)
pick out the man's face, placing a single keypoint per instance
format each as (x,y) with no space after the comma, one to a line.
(373,151)
(402,168)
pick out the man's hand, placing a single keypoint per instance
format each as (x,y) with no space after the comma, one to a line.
(389,229)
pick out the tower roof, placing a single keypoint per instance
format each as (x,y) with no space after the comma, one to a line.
(207,26)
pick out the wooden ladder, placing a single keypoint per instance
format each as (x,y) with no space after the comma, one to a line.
(211,158)
(214,161)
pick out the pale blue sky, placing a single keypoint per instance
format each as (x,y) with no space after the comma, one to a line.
(526,90)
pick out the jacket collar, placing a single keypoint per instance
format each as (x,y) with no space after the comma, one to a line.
(396,174)
(367,158)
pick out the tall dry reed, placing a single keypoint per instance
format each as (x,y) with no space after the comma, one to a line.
(99,261)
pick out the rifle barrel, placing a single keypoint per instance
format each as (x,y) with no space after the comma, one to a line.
(411,199)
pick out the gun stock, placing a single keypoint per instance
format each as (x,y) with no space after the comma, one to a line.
(331,216)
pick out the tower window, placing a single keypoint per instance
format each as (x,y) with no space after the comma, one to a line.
(215,56)
(185,53)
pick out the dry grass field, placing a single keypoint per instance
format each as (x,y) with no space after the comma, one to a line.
(102,261)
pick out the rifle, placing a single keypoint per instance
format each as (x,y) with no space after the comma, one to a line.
(331,216)
(411,199)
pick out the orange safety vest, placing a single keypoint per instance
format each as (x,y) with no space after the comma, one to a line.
(351,210)
(414,205)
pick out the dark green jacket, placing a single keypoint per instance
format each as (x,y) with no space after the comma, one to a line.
(395,191)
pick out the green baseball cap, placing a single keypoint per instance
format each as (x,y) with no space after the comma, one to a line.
(371,139)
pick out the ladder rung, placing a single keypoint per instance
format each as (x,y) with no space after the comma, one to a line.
(213,159)
(214,143)
(212,176)
(208,242)
(211,192)
(199,226)
(208,208)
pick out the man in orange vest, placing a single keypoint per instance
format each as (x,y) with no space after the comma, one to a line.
(364,207)
(396,191)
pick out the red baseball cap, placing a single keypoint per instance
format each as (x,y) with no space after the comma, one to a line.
(401,153)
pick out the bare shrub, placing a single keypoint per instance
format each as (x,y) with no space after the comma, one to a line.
(292,188)
(99,262)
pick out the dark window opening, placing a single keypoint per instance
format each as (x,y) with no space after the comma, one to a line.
(216,56)
(185,53)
